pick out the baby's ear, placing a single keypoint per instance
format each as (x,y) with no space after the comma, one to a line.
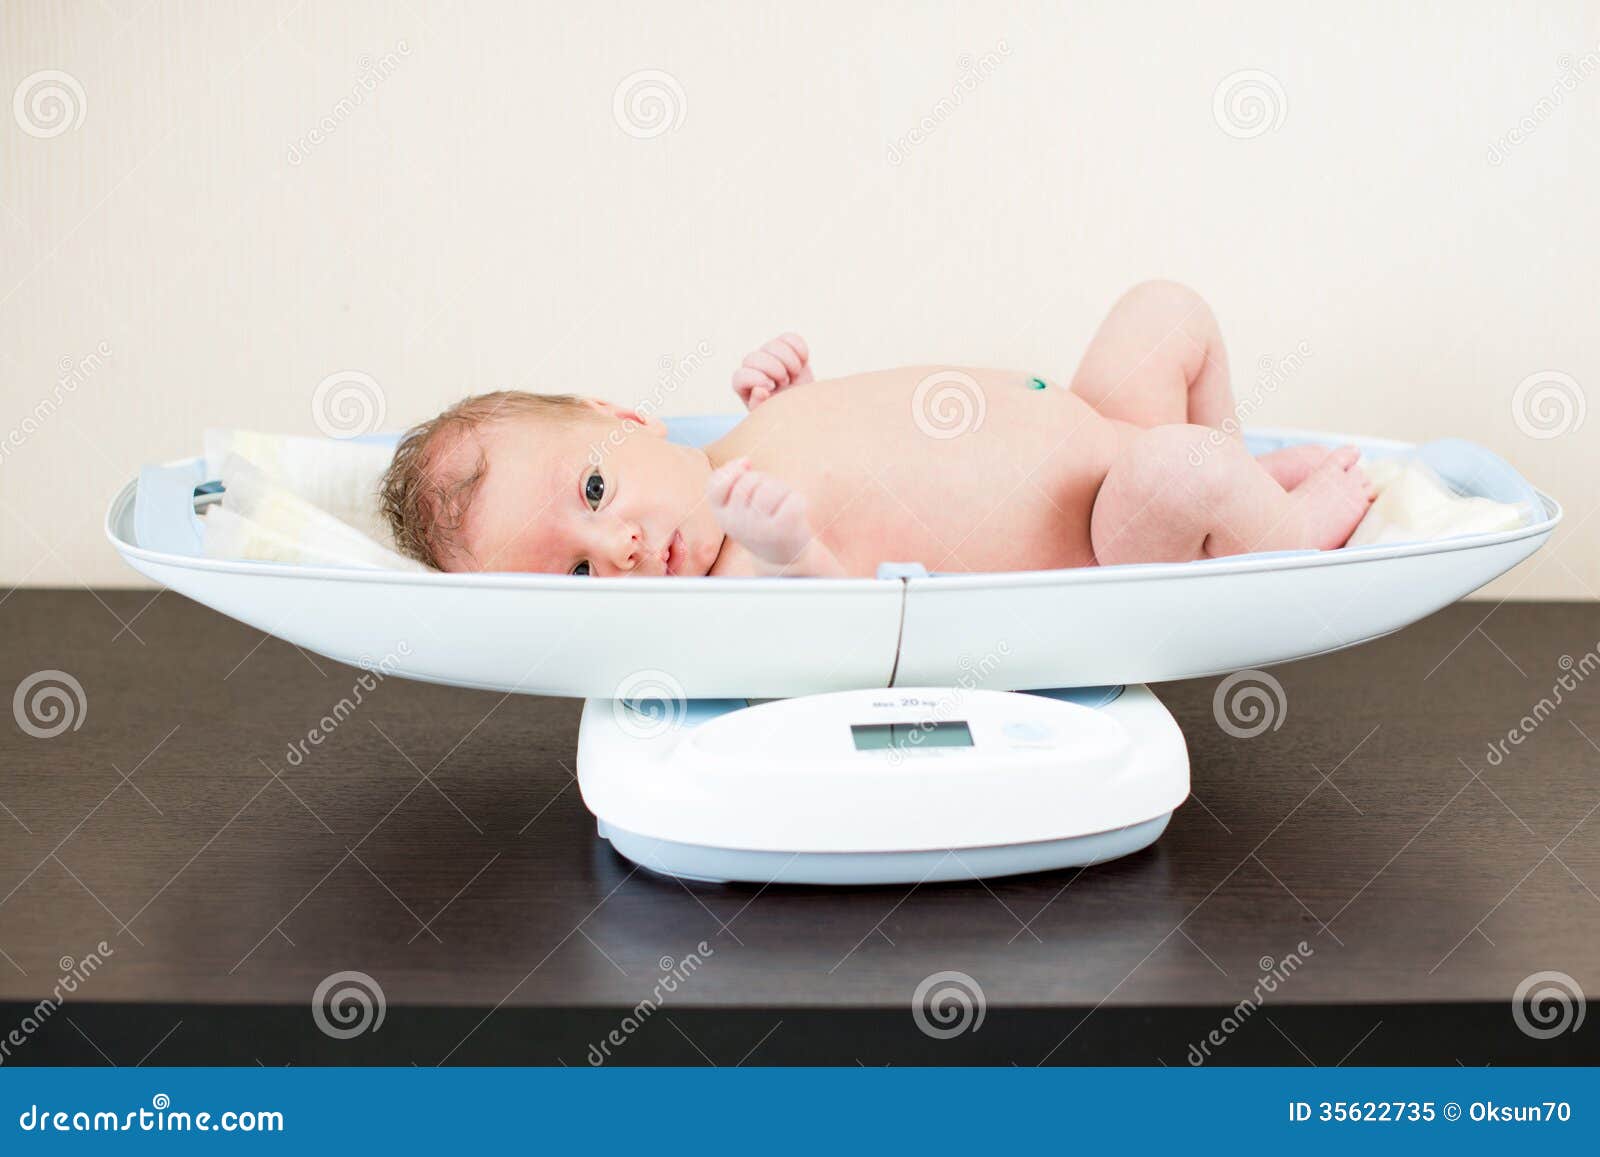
(624,414)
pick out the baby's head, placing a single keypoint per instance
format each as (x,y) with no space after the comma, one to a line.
(513,481)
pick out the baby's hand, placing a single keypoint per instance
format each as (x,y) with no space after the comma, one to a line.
(765,516)
(783,362)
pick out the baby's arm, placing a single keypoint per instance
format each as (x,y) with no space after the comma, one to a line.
(783,362)
(768,519)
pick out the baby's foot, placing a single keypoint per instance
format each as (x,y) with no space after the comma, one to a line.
(1332,499)
(760,513)
(1292,465)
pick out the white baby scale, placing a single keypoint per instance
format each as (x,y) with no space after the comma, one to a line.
(885,786)
(858,731)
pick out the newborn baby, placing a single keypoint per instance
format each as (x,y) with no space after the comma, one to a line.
(959,469)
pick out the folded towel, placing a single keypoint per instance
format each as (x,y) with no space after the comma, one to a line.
(335,475)
(262,520)
(1415,505)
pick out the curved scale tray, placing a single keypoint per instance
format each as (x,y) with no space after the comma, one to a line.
(767,638)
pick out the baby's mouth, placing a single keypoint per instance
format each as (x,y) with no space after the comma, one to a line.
(672,554)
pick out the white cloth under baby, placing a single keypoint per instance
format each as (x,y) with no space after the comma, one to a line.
(338,476)
(262,519)
(1415,505)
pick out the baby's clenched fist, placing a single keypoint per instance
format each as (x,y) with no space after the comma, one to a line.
(783,362)
(765,516)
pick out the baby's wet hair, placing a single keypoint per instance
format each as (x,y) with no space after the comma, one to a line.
(424,506)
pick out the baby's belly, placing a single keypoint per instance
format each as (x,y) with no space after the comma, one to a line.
(892,475)
(993,524)
(1012,492)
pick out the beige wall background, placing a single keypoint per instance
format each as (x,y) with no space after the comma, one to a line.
(208,209)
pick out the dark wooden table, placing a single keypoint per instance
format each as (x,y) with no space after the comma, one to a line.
(436,842)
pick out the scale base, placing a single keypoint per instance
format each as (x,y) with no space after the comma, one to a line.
(882,786)
(734,865)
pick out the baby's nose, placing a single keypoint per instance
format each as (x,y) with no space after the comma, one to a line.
(627,546)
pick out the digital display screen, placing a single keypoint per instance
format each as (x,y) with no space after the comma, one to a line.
(910,736)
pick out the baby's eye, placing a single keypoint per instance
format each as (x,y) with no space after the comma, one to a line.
(594,489)
(581,569)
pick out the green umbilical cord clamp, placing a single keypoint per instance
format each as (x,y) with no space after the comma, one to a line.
(1038,384)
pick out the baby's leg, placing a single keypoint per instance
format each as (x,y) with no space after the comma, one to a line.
(1180,493)
(1158,360)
